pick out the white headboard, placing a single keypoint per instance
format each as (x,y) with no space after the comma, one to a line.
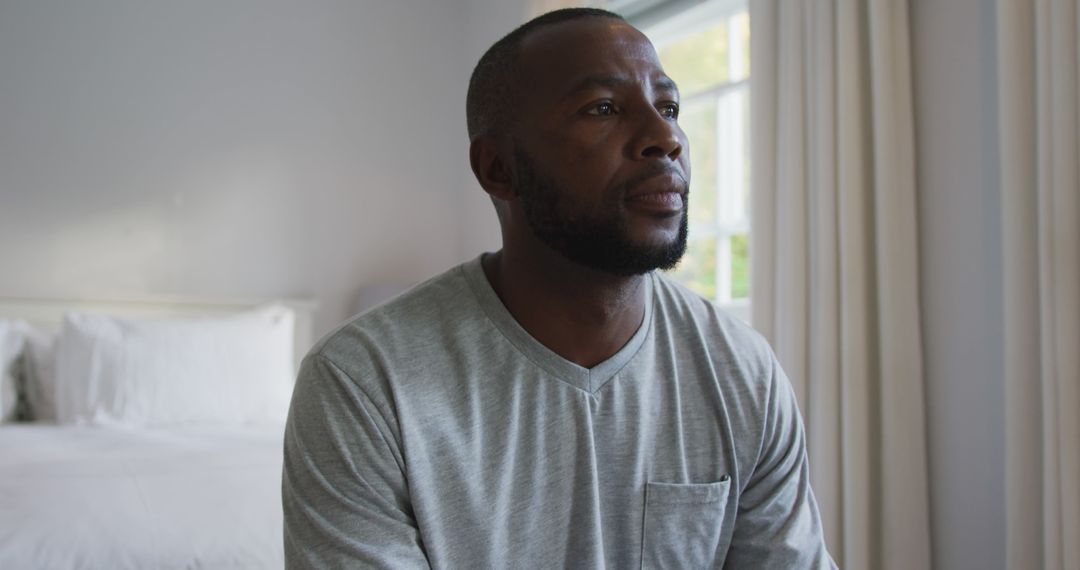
(47,314)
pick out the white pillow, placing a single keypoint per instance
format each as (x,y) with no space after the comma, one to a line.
(39,367)
(231,370)
(12,339)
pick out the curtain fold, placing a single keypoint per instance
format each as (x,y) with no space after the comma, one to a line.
(1039,112)
(835,272)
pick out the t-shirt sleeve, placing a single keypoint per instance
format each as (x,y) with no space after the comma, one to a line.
(777,524)
(344,489)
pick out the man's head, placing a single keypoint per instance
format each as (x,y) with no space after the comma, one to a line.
(487,105)
(574,135)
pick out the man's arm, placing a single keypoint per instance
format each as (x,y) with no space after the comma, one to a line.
(344,489)
(777,524)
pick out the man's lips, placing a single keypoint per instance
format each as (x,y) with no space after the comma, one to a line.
(664,192)
(658,201)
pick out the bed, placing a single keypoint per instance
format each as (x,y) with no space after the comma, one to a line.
(128,482)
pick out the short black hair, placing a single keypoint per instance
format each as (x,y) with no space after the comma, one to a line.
(494,75)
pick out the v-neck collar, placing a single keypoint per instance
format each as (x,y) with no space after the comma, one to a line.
(588,379)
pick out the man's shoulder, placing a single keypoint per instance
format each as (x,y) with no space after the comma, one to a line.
(417,318)
(705,337)
(684,310)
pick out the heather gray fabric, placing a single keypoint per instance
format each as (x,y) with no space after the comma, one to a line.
(435,431)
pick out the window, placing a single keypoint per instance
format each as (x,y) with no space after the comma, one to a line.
(705,48)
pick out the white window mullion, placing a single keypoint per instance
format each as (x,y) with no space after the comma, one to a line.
(730,167)
(736,48)
(736,177)
(723,269)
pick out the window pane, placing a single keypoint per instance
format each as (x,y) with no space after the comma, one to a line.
(698,61)
(740,266)
(697,270)
(698,121)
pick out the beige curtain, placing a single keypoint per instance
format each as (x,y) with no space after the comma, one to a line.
(835,272)
(1038,75)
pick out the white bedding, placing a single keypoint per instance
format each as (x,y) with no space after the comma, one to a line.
(94,497)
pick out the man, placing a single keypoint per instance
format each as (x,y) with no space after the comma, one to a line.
(557,403)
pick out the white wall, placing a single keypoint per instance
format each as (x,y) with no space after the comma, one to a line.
(486,22)
(241,149)
(954,63)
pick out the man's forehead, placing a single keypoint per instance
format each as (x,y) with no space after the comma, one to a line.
(565,55)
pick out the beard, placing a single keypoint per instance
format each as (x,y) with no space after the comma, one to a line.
(601,243)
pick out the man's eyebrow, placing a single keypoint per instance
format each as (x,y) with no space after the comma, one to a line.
(666,83)
(662,82)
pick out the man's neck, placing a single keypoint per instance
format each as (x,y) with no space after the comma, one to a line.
(579,313)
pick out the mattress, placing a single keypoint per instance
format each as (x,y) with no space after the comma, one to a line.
(92,497)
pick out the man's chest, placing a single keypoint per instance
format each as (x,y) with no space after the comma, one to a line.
(562,466)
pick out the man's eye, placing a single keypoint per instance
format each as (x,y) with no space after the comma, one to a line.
(670,110)
(604,109)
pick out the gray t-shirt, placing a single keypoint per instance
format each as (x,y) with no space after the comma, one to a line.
(434,430)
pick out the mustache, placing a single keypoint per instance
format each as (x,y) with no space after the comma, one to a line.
(654,170)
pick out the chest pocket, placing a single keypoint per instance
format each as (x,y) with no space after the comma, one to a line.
(683,524)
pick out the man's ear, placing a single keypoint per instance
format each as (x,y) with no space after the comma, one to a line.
(490,168)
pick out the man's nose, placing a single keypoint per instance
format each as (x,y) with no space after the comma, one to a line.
(658,137)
